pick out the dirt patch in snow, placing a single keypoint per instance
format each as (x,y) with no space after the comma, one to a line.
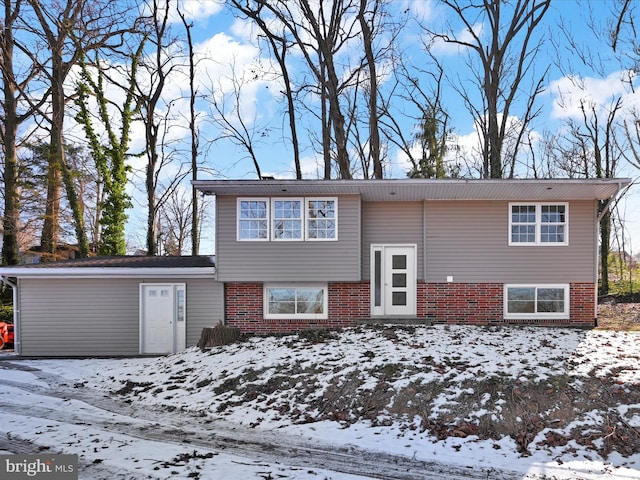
(619,316)
(547,389)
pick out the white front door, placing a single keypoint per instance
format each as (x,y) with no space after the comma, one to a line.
(162,318)
(393,280)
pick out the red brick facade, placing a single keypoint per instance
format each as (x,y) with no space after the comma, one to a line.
(583,305)
(452,303)
(462,303)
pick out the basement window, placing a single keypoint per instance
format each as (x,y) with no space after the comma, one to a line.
(536,301)
(291,302)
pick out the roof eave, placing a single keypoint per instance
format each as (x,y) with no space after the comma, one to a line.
(108,272)
(425,189)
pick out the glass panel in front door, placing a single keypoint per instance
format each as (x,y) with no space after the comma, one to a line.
(399,262)
(398,280)
(377,278)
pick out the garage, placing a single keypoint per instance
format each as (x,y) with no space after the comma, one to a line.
(113,306)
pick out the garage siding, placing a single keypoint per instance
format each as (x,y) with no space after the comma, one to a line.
(101,317)
(205,307)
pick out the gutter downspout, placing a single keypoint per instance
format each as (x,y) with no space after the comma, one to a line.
(16,313)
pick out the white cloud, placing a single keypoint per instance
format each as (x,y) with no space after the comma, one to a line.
(570,92)
(243,29)
(312,166)
(236,65)
(197,10)
(423,10)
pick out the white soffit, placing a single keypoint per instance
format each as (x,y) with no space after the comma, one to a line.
(417,190)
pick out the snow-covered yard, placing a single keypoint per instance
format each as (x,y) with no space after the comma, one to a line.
(525,403)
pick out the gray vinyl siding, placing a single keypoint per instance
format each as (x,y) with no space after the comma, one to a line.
(392,223)
(288,261)
(469,241)
(205,307)
(94,317)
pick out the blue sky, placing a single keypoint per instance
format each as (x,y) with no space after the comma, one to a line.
(222,41)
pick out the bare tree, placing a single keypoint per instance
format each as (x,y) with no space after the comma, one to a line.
(505,54)
(156,111)
(594,147)
(193,130)
(65,28)
(176,220)
(320,31)
(229,117)
(279,46)
(110,155)
(57,25)
(15,93)
(367,19)
(426,145)
(623,31)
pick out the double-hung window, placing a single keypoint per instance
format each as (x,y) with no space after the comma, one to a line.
(536,301)
(253,219)
(538,224)
(321,219)
(288,219)
(303,302)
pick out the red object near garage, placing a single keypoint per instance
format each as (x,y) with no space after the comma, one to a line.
(6,334)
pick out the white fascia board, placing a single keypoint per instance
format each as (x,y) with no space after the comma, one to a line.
(103,272)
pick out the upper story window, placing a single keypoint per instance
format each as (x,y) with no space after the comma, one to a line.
(321,219)
(287,219)
(538,224)
(253,219)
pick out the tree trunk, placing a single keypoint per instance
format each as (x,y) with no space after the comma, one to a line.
(77,211)
(326,130)
(337,121)
(11,219)
(374,131)
(59,171)
(290,108)
(50,226)
(151,205)
(195,229)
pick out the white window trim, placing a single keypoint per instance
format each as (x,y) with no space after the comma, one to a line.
(270,230)
(565,315)
(538,224)
(295,316)
(238,208)
(272,218)
(306,219)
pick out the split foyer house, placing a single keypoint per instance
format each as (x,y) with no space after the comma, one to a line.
(298,254)
(303,254)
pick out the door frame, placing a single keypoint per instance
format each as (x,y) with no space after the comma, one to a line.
(179,317)
(378,277)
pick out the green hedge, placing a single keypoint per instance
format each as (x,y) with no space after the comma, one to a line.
(6,313)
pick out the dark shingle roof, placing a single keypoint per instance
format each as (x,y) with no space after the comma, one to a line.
(128,262)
